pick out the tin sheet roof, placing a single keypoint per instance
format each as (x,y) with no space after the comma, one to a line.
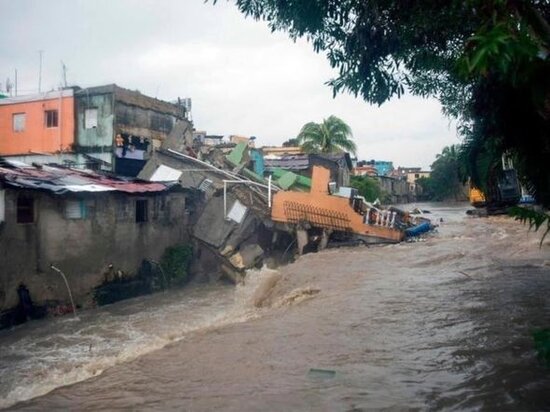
(61,180)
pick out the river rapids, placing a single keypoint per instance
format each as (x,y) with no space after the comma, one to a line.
(444,323)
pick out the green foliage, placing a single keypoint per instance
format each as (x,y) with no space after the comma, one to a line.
(535,219)
(487,61)
(291,143)
(332,135)
(447,177)
(175,262)
(367,187)
(541,339)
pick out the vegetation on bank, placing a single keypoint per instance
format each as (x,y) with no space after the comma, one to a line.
(447,179)
(368,187)
(172,270)
(175,263)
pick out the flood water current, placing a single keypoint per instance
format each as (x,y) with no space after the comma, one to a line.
(443,323)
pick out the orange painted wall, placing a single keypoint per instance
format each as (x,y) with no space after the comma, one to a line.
(37,137)
(319,198)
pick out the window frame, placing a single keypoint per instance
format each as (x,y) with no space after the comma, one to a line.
(22,212)
(141,211)
(24,123)
(51,116)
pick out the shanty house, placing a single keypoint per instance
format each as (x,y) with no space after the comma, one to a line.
(81,222)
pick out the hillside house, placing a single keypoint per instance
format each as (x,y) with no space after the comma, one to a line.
(81,222)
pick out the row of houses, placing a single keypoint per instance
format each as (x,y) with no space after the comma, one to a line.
(400,184)
(101,128)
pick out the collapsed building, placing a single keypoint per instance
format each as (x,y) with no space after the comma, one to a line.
(244,219)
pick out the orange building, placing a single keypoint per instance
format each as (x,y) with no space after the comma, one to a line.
(321,209)
(42,123)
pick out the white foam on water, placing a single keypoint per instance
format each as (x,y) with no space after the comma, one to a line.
(63,351)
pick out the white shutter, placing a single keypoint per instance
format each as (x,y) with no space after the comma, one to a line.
(74,209)
(237,212)
(90,118)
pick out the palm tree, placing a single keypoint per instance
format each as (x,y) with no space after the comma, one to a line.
(332,135)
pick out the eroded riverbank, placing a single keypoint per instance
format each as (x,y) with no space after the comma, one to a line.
(439,324)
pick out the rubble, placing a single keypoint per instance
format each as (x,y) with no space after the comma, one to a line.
(242,218)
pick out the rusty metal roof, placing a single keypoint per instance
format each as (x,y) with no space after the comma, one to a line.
(62,180)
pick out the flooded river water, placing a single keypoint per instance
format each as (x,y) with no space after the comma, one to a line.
(440,324)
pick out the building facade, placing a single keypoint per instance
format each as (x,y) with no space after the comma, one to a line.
(37,124)
(124,124)
(81,222)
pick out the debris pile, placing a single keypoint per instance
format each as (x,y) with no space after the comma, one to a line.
(248,210)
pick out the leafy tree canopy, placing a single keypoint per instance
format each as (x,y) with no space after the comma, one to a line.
(487,61)
(291,142)
(331,135)
(367,187)
(446,181)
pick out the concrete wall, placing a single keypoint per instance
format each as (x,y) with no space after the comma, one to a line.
(397,189)
(101,136)
(142,122)
(82,248)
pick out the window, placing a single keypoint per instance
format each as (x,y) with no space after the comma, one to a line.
(416,175)
(90,118)
(19,120)
(51,118)
(25,209)
(141,210)
(75,209)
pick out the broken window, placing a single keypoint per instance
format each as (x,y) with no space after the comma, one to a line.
(141,210)
(25,209)
(51,118)
(19,120)
(90,118)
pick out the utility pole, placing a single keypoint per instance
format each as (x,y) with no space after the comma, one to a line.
(15,82)
(40,71)
(64,73)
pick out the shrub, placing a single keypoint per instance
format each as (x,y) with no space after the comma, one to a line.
(175,262)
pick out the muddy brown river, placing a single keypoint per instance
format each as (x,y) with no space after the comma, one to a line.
(443,323)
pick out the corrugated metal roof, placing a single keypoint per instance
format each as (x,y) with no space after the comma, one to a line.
(61,180)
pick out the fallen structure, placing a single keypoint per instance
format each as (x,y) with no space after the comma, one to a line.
(319,208)
(243,220)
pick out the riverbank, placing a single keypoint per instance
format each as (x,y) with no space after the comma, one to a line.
(444,323)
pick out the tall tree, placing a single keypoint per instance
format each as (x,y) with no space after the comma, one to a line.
(446,181)
(331,135)
(487,61)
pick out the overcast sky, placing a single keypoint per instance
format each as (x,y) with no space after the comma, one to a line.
(242,78)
